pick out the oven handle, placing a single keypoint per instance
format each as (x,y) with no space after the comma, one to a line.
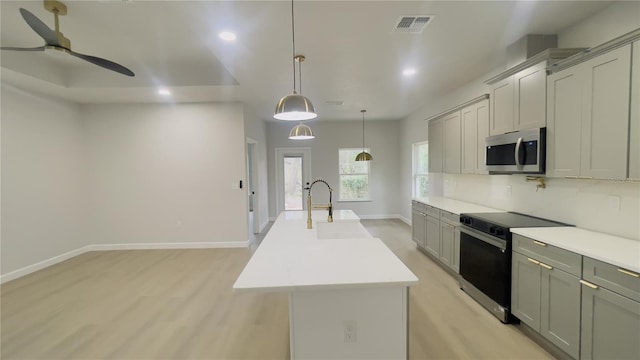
(499,243)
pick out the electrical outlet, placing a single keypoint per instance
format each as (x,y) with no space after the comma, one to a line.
(349,330)
(614,202)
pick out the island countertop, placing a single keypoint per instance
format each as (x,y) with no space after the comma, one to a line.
(292,258)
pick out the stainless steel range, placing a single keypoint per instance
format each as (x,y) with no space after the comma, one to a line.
(485,257)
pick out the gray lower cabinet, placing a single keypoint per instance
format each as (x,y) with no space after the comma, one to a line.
(610,325)
(545,297)
(610,311)
(418,227)
(447,238)
(525,290)
(432,244)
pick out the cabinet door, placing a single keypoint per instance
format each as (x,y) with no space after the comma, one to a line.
(610,325)
(436,143)
(634,128)
(560,310)
(456,251)
(530,95)
(433,236)
(452,143)
(469,139)
(501,107)
(564,113)
(525,290)
(605,120)
(482,116)
(447,237)
(417,227)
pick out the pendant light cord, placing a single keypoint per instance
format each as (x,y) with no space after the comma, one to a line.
(293,57)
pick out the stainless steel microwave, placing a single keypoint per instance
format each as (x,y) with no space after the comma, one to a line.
(521,152)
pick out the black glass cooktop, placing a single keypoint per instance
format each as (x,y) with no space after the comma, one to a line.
(513,220)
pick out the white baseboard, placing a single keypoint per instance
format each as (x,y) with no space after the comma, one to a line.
(106,247)
(405,220)
(42,264)
(272,218)
(262,226)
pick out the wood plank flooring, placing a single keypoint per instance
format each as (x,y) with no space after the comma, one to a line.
(178,304)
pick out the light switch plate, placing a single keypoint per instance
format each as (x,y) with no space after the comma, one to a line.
(614,202)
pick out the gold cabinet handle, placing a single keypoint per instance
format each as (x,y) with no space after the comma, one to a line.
(626,272)
(585,177)
(534,261)
(548,267)
(586,283)
(539,243)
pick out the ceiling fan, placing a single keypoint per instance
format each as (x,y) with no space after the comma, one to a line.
(56,41)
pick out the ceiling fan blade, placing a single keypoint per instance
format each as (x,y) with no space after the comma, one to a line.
(39,48)
(39,27)
(107,64)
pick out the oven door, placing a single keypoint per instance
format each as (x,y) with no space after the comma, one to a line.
(485,262)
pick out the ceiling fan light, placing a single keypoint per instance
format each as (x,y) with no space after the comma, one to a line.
(301,132)
(295,107)
(364,156)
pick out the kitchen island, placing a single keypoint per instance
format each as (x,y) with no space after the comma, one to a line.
(348,292)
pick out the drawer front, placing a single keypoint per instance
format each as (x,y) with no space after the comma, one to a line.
(450,218)
(614,278)
(548,254)
(419,206)
(433,211)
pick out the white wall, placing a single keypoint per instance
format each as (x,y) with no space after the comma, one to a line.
(580,202)
(164,173)
(256,129)
(382,137)
(43,179)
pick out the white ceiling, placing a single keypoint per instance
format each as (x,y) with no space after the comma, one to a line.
(352,53)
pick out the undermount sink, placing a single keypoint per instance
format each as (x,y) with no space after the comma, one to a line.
(341,230)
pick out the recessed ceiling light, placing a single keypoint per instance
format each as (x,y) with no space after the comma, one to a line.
(227,36)
(164,92)
(409,72)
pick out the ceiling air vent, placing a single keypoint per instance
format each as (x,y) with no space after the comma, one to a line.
(412,24)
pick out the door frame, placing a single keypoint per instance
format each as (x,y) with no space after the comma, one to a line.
(281,153)
(253,185)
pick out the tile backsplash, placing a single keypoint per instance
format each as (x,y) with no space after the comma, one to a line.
(611,207)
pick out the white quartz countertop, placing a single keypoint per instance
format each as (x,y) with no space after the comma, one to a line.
(292,258)
(612,249)
(455,206)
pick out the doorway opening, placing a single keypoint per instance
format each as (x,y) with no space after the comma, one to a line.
(293,169)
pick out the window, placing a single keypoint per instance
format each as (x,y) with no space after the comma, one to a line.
(354,176)
(420,169)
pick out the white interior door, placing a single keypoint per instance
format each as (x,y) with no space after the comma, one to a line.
(293,171)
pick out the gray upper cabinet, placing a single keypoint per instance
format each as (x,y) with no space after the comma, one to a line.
(501,94)
(564,109)
(530,97)
(436,145)
(519,101)
(634,135)
(588,104)
(475,128)
(605,116)
(452,143)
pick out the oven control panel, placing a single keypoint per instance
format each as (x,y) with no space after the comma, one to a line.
(485,227)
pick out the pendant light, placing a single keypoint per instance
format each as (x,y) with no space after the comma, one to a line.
(301,132)
(295,107)
(363,156)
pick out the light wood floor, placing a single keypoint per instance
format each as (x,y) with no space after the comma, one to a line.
(178,304)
